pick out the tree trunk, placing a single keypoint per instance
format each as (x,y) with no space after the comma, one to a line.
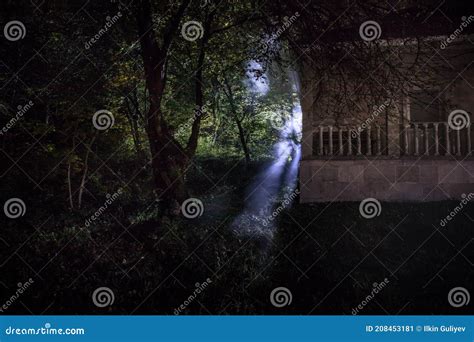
(167,156)
(69,185)
(84,174)
(133,114)
(199,92)
(243,141)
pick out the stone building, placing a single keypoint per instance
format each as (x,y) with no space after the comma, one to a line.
(411,143)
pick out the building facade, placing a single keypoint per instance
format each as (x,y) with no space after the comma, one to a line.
(411,143)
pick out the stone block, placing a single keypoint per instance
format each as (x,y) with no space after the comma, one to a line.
(406,192)
(381,170)
(434,193)
(452,172)
(456,190)
(378,189)
(387,180)
(351,172)
(429,173)
(305,172)
(327,173)
(408,173)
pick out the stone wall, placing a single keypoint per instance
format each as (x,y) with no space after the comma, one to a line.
(454,72)
(386,179)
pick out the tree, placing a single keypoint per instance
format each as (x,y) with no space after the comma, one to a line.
(167,155)
(169,158)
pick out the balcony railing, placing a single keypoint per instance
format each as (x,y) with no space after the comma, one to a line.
(435,139)
(415,139)
(331,140)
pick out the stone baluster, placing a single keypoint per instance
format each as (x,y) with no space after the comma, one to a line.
(321,147)
(468,132)
(417,143)
(379,142)
(349,141)
(330,140)
(436,137)
(359,145)
(458,142)
(341,148)
(448,143)
(369,142)
(405,135)
(427,152)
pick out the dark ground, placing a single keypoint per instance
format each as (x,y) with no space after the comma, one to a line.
(326,254)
